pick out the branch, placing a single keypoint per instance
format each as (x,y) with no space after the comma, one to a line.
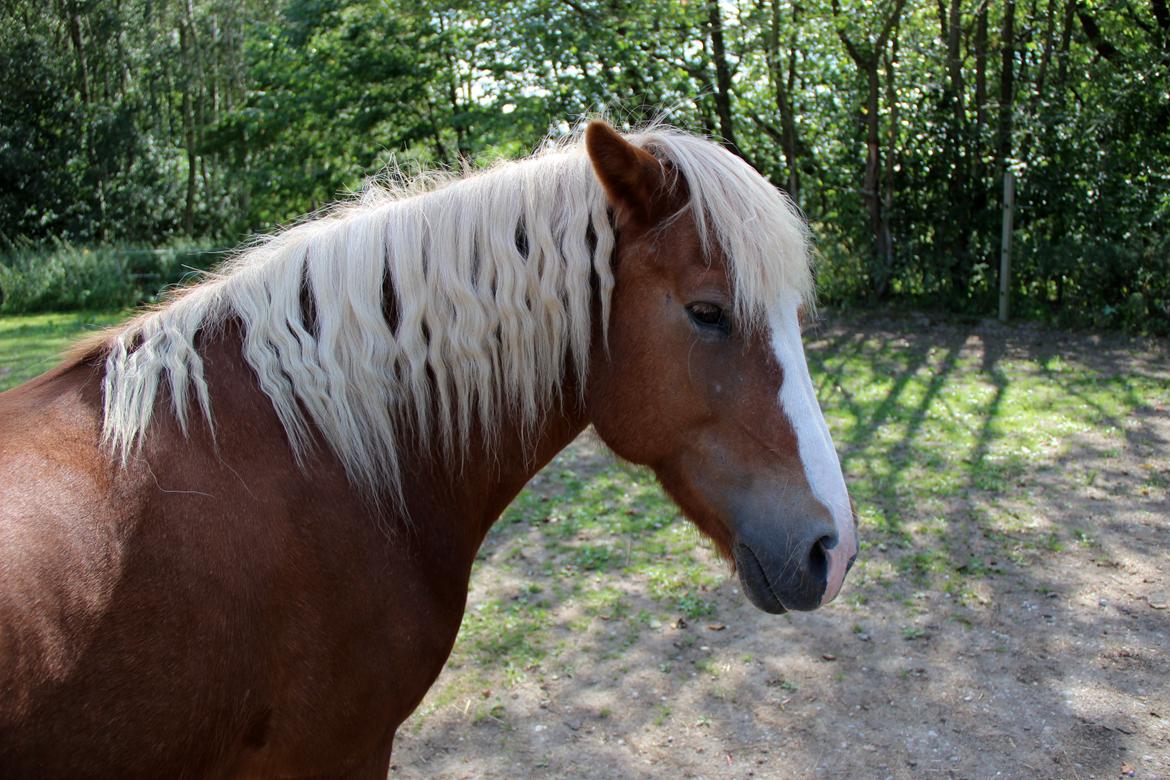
(694,71)
(803,153)
(1140,22)
(887,27)
(854,52)
(769,128)
(587,14)
(1106,49)
(1161,14)
(891,20)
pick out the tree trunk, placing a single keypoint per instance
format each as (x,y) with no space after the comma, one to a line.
(722,76)
(1006,84)
(871,184)
(781,82)
(953,240)
(955,63)
(980,179)
(72,12)
(1065,43)
(1162,16)
(868,60)
(78,41)
(436,138)
(981,72)
(185,45)
(891,58)
(1045,54)
(1006,88)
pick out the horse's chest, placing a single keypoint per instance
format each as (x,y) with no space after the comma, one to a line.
(353,671)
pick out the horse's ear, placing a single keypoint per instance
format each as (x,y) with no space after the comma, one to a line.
(633,179)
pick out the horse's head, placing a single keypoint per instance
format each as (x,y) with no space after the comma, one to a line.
(723,411)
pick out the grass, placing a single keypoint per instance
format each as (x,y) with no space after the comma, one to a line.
(948,442)
(32,344)
(947,447)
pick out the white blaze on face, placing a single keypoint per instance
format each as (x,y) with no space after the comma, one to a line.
(822,469)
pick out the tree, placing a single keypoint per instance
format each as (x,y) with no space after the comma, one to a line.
(866,53)
(149,121)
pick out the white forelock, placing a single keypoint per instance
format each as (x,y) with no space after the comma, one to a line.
(491,297)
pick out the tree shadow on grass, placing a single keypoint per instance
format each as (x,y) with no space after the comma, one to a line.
(985,639)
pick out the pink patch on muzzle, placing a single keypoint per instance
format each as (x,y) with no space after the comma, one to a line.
(840,558)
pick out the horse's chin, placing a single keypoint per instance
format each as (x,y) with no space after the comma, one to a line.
(755,582)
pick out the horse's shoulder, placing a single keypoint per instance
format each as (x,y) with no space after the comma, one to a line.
(62,540)
(63,502)
(50,430)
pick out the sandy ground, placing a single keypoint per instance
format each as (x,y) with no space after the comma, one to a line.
(1058,667)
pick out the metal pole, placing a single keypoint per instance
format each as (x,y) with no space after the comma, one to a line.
(1005,251)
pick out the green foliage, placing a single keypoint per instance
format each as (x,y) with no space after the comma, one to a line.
(891,124)
(32,344)
(1096,281)
(65,277)
(40,133)
(81,156)
(334,85)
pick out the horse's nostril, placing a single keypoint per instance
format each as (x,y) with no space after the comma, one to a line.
(791,571)
(818,558)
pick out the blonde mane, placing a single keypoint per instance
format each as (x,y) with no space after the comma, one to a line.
(492,282)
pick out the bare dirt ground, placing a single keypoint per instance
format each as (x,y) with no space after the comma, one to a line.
(1051,661)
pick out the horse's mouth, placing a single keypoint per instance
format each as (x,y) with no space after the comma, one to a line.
(755,581)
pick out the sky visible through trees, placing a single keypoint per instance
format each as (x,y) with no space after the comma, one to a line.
(150,122)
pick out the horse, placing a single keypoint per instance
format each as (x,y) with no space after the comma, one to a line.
(237,532)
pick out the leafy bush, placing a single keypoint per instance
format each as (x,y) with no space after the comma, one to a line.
(1096,282)
(1073,281)
(63,277)
(841,273)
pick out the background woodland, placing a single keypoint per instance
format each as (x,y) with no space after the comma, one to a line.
(127,126)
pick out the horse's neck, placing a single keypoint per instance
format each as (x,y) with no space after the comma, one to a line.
(469,489)
(492,474)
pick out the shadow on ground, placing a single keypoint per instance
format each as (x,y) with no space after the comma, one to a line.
(1008,617)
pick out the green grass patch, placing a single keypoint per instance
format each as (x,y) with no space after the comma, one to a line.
(67,277)
(949,441)
(31,344)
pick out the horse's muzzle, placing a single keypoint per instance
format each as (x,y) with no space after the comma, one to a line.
(784,571)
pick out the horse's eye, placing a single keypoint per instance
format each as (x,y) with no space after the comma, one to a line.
(709,315)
